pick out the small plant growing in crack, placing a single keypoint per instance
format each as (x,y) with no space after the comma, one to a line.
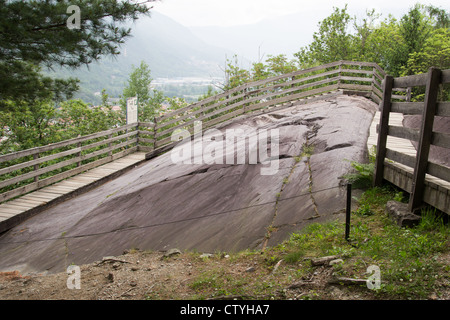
(308,150)
(363,172)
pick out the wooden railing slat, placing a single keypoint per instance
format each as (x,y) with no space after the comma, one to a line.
(50,147)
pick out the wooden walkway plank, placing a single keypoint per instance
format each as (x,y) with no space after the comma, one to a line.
(393,143)
(41,197)
(34,203)
(20,205)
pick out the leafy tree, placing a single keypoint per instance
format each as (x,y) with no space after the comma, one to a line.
(79,118)
(415,42)
(332,42)
(435,52)
(440,16)
(30,125)
(138,85)
(414,29)
(36,33)
(27,125)
(385,46)
(260,71)
(278,65)
(235,75)
(114,118)
(364,31)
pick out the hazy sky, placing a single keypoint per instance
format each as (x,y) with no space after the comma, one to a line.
(238,12)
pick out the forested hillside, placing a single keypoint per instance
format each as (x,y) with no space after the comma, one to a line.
(169,49)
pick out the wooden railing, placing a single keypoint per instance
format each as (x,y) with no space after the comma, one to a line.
(358,77)
(425,137)
(31,169)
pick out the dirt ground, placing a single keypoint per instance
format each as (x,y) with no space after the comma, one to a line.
(139,275)
(152,276)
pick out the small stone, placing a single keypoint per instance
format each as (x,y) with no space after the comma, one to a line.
(110,277)
(250,269)
(400,214)
(336,261)
(206,255)
(171,253)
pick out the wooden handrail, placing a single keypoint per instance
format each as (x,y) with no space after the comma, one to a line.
(425,137)
(272,92)
(56,162)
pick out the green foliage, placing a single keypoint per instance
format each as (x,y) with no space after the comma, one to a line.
(414,29)
(363,175)
(32,125)
(83,119)
(435,52)
(272,66)
(410,45)
(28,125)
(35,34)
(332,42)
(235,75)
(406,256)
(149,100)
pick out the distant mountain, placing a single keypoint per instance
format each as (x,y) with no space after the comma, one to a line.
(170,49)
(274,36)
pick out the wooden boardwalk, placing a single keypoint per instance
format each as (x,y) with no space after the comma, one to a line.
(397,144)
(14,211)
(437,190)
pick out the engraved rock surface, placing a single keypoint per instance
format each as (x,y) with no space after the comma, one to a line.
(161,205)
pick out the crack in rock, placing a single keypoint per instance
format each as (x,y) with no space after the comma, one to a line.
(338,146)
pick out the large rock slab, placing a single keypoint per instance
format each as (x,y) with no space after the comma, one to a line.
(207,207)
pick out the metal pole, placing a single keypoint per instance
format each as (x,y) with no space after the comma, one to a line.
(348,211)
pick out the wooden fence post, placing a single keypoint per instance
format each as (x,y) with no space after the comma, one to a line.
(154,133)
(340,75)
(408,94)
(137,136)
(36,166)
(426,132)
(383,130)
(372,84)
(79,153)
(244,98)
